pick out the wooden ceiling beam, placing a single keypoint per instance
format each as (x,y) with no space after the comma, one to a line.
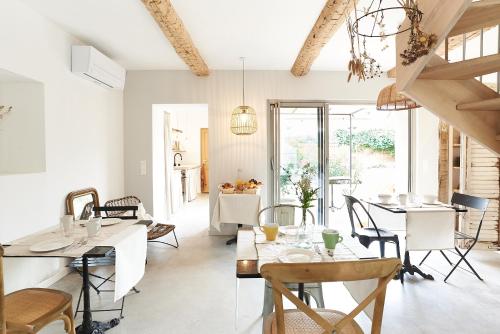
(329,21)
(172,27)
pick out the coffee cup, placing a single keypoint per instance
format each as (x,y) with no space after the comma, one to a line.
(331,238)
(270,230)
(93,226)
(66,222)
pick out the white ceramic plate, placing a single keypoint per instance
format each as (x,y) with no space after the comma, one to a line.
(110,221)
(51,245)
(297,255)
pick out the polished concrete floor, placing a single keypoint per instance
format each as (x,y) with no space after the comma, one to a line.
(193,290)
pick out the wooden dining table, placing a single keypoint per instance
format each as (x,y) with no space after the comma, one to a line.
(252,254)
(99,247)
(427,227)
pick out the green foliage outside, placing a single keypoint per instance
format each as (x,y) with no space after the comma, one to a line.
(373,139)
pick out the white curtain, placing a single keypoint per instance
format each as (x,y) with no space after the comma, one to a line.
(169,166)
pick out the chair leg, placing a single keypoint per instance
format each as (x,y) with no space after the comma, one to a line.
(268,301)
(462,258)
(398,249)
(382,248)
(79,300)
(317,294)
(425,257)
(307,298)
(69,324)
(447,259)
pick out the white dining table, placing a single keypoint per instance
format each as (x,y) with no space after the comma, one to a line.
(239,209)
(426,226)
(128,239)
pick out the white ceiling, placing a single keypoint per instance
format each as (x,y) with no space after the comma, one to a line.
(269,33)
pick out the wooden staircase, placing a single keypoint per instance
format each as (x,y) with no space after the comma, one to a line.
(451,90)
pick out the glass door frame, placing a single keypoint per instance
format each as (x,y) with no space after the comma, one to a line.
(274,151)
(273,148)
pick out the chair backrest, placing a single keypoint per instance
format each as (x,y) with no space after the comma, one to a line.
(124,201)
(472,202)
(351,203)
(3,328)
(279,274)
(283,214)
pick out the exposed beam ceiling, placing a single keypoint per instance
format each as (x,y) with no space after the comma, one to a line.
(170,23)
(329,21)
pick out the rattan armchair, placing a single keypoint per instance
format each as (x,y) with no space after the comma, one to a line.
(29,310)
(158,231)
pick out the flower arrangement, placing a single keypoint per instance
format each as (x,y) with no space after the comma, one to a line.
(302,183)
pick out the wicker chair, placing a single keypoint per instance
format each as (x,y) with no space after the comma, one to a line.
(158,231)
(30,310)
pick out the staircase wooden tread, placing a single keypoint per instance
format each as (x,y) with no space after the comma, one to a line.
(479,15)
(489,104)
(465,69)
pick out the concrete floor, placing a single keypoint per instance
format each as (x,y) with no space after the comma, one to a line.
(193,290)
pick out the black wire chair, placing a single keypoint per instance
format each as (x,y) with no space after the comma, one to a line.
(470,202)
(367,235)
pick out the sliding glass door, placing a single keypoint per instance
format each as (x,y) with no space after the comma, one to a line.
(353,149)
(299,141)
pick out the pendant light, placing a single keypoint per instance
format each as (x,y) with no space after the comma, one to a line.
(243,118)
(390,99)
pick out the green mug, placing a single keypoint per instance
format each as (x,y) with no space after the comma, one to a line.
(331,238)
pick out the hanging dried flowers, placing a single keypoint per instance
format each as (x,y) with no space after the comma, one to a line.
(419,43)
(361,64)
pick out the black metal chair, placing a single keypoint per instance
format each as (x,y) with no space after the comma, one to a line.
(367,235)
(470,202)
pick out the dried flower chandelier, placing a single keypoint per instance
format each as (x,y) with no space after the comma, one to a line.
(373,24)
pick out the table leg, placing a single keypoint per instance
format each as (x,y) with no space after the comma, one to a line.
(412,269)
(88,326)
(301,291)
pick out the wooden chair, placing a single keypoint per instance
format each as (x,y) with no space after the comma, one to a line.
(29,310)
(306,320)
(158,231)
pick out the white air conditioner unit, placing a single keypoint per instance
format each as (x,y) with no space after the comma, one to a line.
(91,64)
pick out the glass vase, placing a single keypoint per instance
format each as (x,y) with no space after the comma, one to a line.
(305,232)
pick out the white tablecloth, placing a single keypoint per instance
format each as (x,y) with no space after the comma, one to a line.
(236,209)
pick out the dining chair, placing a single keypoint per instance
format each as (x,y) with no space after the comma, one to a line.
(30,310)
(306,320)
(284,215)
(158,231)
(367,234)
(470,202)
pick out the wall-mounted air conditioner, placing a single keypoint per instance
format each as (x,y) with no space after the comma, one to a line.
(91,64)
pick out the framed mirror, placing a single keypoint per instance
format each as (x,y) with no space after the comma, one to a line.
(80,203)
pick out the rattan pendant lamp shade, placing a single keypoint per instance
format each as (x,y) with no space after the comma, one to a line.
(243,118)
(390,99)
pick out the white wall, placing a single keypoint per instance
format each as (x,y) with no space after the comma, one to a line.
(222,92)
(22,130)
(426,178)
(83,136)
